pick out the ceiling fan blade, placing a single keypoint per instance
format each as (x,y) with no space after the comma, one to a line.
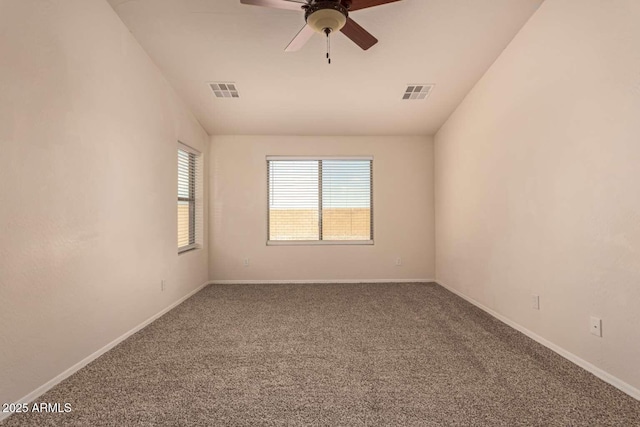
(358,35)
(278,4)
(300,39)
(363,4)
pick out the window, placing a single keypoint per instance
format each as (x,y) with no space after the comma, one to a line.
(189,198)
(319,200)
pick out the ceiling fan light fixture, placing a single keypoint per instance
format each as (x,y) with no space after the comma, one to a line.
(326,15)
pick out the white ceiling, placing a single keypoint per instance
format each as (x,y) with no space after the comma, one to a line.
(449,43)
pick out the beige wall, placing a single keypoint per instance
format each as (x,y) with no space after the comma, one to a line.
(403,211)
(88,131)
(538,183)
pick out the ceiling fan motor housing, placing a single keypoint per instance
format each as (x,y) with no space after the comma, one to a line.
(323,15)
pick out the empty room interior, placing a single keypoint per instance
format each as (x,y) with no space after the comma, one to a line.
(320,212)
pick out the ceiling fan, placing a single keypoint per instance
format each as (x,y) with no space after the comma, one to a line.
(326,16)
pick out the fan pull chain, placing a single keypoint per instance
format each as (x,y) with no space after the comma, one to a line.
(327,31)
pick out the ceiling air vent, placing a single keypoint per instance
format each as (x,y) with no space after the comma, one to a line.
(417,91)
(224,90)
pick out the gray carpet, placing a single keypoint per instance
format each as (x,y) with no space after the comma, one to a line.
(330,355)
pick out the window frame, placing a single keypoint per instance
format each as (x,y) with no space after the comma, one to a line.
(321,242)
(195,157)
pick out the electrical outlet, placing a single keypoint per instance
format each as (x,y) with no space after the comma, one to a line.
(246,262)
(596,326)
(398,261)
(163,285)
(535,302)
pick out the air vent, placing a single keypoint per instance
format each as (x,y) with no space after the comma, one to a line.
(225,90)
(417,91)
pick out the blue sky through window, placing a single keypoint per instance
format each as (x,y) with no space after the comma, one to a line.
(346,184)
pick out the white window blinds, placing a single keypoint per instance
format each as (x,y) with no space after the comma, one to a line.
(320,200)
(189,198)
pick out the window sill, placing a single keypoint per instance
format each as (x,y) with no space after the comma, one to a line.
(188,249)
(319,242)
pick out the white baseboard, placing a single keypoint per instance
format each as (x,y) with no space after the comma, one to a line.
(84,362)
(603,375)
(287,282)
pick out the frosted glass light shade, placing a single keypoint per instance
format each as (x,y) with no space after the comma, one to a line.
(326,18)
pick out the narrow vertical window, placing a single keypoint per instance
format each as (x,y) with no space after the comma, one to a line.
(189,198)
(320,200)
